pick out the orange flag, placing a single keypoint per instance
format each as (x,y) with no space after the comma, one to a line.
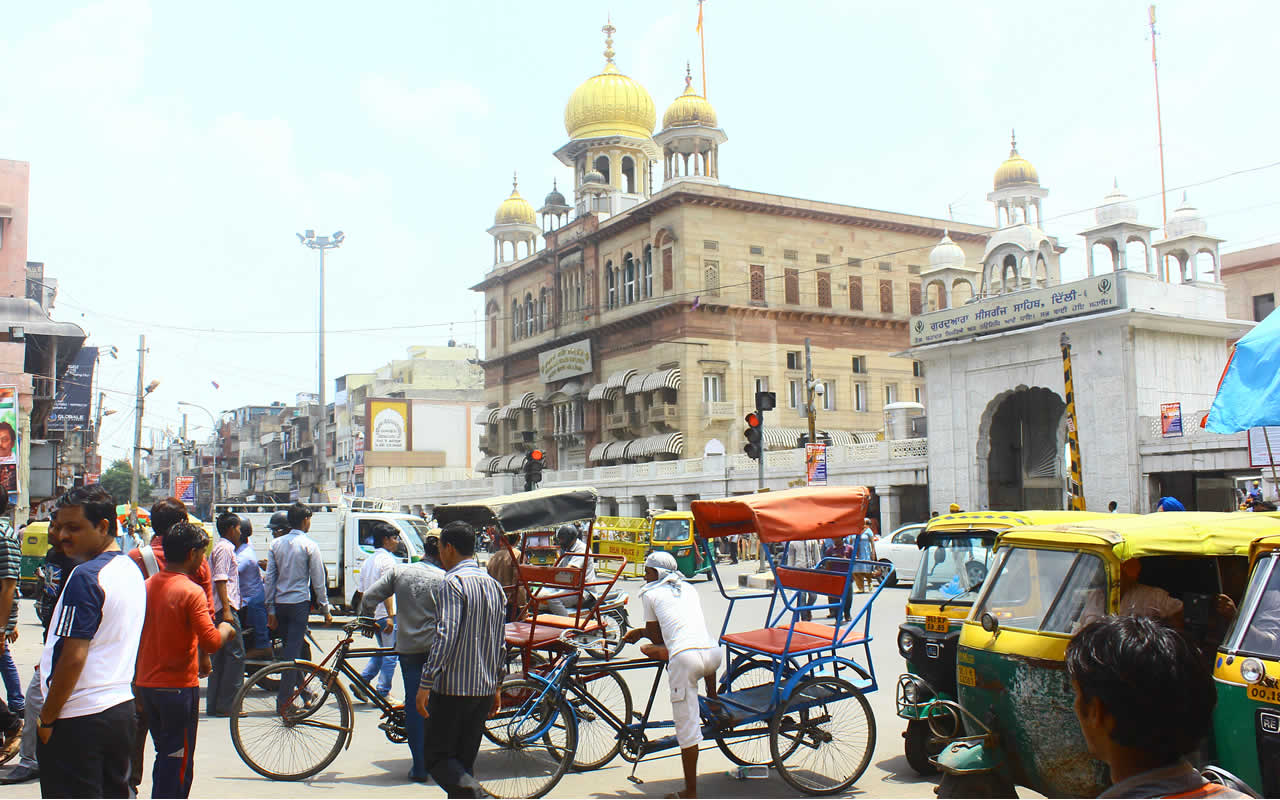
(699,28)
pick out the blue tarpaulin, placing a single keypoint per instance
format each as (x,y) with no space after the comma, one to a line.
(1249,392)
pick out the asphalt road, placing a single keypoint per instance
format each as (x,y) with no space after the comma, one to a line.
(374,767)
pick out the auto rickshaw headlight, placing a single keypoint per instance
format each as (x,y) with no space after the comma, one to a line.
(906,643)
(1252,670)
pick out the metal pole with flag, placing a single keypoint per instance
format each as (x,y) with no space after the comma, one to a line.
(1248,393)
(702,45)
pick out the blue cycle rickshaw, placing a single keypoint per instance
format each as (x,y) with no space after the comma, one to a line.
(793,693)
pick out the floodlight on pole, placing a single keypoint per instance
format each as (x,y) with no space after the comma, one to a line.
(321,243)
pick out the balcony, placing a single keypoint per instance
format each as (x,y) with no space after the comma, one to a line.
(43,387)
(484,442)
(719,410)
(620,420)
(523,436)
(666,414)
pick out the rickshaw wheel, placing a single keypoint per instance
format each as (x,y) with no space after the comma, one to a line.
(987,784)
(918,747)
(822,736)
(751,749)
(598,742)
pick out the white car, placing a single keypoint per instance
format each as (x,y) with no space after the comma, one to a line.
(900,548)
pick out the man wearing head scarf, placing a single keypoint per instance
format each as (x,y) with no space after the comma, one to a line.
(677,630)
(1170,504)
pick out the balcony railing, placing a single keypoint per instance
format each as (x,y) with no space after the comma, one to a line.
(666,414)
(43,387)
(621,419)
(718,410)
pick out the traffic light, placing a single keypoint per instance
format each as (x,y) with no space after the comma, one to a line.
(533,463)
(766,401)
(753,446)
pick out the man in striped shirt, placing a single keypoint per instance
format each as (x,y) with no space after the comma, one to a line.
(458,691)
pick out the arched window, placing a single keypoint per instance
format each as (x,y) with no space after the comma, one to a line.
(628,175)
(711,275)
(602,166)
(628,280)
(648,270)
(611,288)
(542,310)
(577,291)
(515,319)
(528,314)
(824,290)
(493,329)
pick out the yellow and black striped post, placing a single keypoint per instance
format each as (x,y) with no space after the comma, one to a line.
(1076,483)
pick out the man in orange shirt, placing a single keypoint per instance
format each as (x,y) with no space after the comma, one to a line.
(178,625)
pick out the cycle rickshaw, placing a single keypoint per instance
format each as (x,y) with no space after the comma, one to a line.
(792,695)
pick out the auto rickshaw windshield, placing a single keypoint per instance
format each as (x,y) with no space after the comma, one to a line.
(670,530)
(1259,631)
(1056,591)
(952,570)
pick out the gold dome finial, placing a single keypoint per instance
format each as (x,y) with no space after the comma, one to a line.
(1015,169)
(1013,142)
(688,77)
(608,30)
(514,183)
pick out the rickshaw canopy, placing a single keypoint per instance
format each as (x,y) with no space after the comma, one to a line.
(997,521)
(813,512)
(1262,546)
(542,508)
(1203,533)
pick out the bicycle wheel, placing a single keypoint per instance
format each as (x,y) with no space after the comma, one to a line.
(612,634)
(821,738)
(530,741)
(303,738)
(750,743)
(597,738)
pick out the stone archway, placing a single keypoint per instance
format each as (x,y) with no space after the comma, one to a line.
(1020,447)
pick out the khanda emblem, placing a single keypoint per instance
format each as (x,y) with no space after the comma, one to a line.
(1104,285)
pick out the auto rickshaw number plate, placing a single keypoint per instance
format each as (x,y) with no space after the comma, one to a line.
(966,676)
(934,624)
(1264,694)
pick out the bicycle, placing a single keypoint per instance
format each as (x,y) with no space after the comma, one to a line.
(290,735)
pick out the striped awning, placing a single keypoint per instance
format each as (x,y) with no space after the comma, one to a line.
(527,400)
(841,437)
(570,389)
(600,392)
(635,383)
(489,465)
(609,451)
(618,380)
(487,416)
(783,438)
(509,463)
(662,379)
(597,451)
(672,443)
(506,412)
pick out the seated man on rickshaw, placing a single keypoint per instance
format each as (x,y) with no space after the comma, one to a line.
(677,631)
(572,554)
(1146,600)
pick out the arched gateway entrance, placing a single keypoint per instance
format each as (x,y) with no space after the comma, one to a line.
(1021,444)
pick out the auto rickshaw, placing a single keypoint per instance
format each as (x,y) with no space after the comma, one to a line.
(538,547)
(1047,582)
(1246,721)
(35,544)
(955,556)
(675,533)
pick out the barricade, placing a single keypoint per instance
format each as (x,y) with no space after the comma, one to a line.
(624,536)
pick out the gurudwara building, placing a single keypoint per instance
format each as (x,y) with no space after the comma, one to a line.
(636,320)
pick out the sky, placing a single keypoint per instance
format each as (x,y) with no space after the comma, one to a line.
(176,148)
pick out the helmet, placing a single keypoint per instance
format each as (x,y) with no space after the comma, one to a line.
(279,521)
(246,527)
(566,536)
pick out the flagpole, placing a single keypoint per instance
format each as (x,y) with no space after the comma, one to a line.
(702,44)
(1275,482)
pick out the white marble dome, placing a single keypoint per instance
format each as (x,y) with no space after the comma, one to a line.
(1185,221)
(1116,207)
(946,255)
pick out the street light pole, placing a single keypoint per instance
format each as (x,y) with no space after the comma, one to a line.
(213,500)
(321,243)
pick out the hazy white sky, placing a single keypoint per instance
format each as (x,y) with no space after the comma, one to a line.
(175,148)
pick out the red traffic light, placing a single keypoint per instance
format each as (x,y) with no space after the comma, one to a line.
(536,455)
(753,420)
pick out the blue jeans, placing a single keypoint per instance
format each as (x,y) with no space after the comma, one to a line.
(12,683)
(411,665)
(172,715)
(383,666)
(291,624)
(253,614)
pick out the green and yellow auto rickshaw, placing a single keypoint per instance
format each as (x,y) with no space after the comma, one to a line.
(955,557)
(674,532)
(35,544)
(1046,582)
(1246,721)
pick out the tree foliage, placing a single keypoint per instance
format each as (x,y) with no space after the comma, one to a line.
(116,481)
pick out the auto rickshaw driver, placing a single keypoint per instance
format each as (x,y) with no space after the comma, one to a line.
(572,554)
(1144,600)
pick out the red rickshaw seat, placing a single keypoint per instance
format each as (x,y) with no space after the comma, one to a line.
(527,635)
(825,632)
(774,641)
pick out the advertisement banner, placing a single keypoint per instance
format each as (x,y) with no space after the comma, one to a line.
(815,464)
(1015,310)
(388,422)
(1264,446)
(563,362)
(184,488)
(357,457)
(9,441)
(1170,420)
(75,392)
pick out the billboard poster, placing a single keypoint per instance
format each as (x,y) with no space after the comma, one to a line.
(1016,310)
(184,488)
(357,467)
(75,392)
(815,464)
(1264,446)
(388,426)
(1170,420)
(9,448)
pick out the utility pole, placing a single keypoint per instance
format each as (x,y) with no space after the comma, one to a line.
(137,438)
(808,383)
(321,243)
(97,435)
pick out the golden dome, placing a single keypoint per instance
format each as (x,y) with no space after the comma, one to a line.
(515,210)
(690,108)
(1015,169)
(609,104)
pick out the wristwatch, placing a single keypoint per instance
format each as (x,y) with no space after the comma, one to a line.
(44,724)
